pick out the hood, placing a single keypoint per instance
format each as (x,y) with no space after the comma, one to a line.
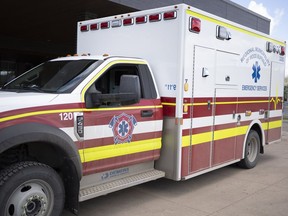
(13,100)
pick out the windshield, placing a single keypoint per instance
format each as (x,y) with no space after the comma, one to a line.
(53,76)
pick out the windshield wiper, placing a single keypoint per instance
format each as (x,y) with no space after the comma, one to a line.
(34,88)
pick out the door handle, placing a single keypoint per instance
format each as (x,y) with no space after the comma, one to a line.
(147,113)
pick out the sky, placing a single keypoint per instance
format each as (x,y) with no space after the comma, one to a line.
(276,11)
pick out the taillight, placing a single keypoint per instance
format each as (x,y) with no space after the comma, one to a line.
(195,25)
(141,19)
(170,15)
(154,17)
(104,25)
(94,27)
(128,21)
(84,28)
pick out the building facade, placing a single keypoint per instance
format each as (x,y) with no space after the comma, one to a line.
(33,31)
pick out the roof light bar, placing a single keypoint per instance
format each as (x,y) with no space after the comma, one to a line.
(154,17)
(84,28)
(141,20)
(116,23)
(170,15)
(94,26)
(128,21)
(105,25)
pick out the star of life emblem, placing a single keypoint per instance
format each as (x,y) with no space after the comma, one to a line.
(256,72)
(122,127)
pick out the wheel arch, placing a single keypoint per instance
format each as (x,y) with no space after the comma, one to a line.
(51,146)
(256,126)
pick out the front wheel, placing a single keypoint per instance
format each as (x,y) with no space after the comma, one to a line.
(30,189)
(252,150)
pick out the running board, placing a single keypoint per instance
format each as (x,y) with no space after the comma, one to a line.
(103,189)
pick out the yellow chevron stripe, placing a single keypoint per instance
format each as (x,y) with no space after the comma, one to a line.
(110,151)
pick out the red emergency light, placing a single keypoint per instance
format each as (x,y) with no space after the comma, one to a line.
(141,20)
(104,25)
(84,28)
(195,25)
(94,27)
(170,15)
(283,51)
(154,17)
(128,21)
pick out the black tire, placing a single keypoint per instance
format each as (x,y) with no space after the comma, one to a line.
(252,150)
(29,188)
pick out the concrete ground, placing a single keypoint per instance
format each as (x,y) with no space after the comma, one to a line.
(262,191)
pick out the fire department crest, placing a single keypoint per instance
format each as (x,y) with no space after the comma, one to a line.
(122,127)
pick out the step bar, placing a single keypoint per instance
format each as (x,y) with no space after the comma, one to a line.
(103,189)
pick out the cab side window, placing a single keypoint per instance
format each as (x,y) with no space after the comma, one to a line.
(108,85)
(109,82)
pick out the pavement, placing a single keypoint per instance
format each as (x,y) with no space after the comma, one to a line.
(262,191)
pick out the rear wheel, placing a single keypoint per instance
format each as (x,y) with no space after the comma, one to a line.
(30,189)
(252,150)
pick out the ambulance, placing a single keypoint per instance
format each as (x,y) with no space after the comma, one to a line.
(172,92)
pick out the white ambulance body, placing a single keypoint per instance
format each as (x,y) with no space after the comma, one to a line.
(218,81)
(180,93)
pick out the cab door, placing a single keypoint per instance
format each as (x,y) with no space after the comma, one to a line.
(118,135)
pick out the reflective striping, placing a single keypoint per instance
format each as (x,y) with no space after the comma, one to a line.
(272,125)
(168,104)
(265,126)
(275,124)
(219,103)
(123,108)
(231,132)
(231,26)
(110,151)
(207,121)
(103,70)
(81,154)
(197,139)
(44,112)
(225,133)
(56,111)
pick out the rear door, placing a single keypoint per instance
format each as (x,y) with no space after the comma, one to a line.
(276,98)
